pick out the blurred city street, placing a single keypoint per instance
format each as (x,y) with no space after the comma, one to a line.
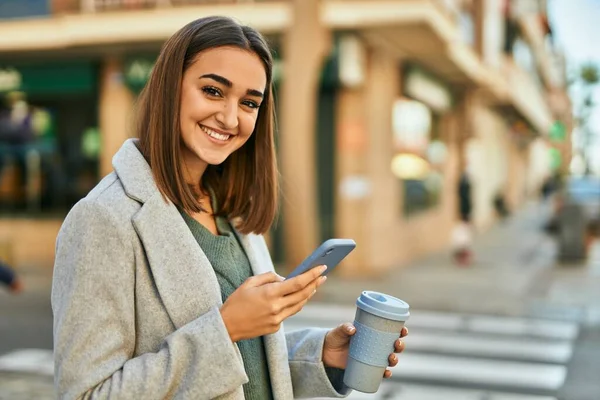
(512,326)
(514,272)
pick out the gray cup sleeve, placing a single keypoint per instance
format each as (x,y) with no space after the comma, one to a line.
(371,346)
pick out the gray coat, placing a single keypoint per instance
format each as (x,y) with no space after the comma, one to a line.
(136,304)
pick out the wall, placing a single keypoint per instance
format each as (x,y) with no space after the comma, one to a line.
(26,243)
(492,32)
(487,162)
(374,218)
(539,165)
(516,185)
(115,111)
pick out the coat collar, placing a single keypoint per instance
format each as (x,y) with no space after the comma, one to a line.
(183,274)
(134,172)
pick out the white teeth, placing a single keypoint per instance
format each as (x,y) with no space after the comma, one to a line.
(214,134)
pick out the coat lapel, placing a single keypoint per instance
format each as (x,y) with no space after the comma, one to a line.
(275,344)
(183,275)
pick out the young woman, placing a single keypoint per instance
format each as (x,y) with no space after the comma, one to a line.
(163,285)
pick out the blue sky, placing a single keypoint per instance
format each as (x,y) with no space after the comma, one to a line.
(576,26)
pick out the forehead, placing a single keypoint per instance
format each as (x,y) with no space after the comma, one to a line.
(242,67)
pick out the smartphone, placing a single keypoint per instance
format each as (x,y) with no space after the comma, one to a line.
(330,253)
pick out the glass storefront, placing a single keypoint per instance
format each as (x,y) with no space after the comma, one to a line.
(49,139)
(419,148)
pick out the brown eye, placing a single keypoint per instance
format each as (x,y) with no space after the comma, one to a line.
(212,91)
(251,104)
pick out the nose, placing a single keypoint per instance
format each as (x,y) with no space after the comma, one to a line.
(227,117)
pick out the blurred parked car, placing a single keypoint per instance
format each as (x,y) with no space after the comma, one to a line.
(576,219)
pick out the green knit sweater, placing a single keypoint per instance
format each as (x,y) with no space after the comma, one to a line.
(232,267)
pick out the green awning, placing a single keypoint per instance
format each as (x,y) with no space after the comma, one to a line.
(49,78)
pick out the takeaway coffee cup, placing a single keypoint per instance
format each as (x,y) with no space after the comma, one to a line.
(378,322)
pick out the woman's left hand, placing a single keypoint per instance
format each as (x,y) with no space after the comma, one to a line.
(337,344)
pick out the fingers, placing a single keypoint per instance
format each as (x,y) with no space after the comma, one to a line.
(299,282)
(399,346)
(404,332)
(304,294)
(263,279)
(294,309)
(298,300)
(393,361)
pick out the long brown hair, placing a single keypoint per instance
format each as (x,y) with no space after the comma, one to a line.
(245,185)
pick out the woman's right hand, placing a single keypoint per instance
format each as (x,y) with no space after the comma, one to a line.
(263,302)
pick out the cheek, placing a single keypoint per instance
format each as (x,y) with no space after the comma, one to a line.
(247,124)
(192,105)
(185,111)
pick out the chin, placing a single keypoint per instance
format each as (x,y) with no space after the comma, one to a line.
(214,160)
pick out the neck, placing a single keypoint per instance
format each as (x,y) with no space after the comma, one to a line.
(193,174)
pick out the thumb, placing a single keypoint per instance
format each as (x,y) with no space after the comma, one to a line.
(263,279)
(342,333)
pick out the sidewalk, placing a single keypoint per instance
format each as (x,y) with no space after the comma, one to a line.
(510,260)
(25,386)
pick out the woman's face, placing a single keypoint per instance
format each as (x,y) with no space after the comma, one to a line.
(221,93)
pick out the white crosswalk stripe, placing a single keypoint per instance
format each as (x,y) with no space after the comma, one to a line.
(38,361)
(333,314)
(451,356)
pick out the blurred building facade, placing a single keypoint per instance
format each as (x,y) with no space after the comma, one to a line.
(383,105)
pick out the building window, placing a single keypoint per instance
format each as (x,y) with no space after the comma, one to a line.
(418,154)
(49,141)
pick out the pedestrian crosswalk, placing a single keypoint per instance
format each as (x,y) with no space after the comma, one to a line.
(449,356)
(27,374)
(453,356)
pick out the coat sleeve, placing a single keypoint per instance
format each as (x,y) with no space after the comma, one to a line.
(310,377)
(95,329)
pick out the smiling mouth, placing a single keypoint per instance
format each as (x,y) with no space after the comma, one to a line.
(215,135)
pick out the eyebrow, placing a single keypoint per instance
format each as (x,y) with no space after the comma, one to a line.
(224,81)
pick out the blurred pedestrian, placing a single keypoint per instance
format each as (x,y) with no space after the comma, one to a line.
(163,284)
(462,236)
(462,241)
(9,278)
(465,200)
(500,206)
(15,133)
(550,185)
